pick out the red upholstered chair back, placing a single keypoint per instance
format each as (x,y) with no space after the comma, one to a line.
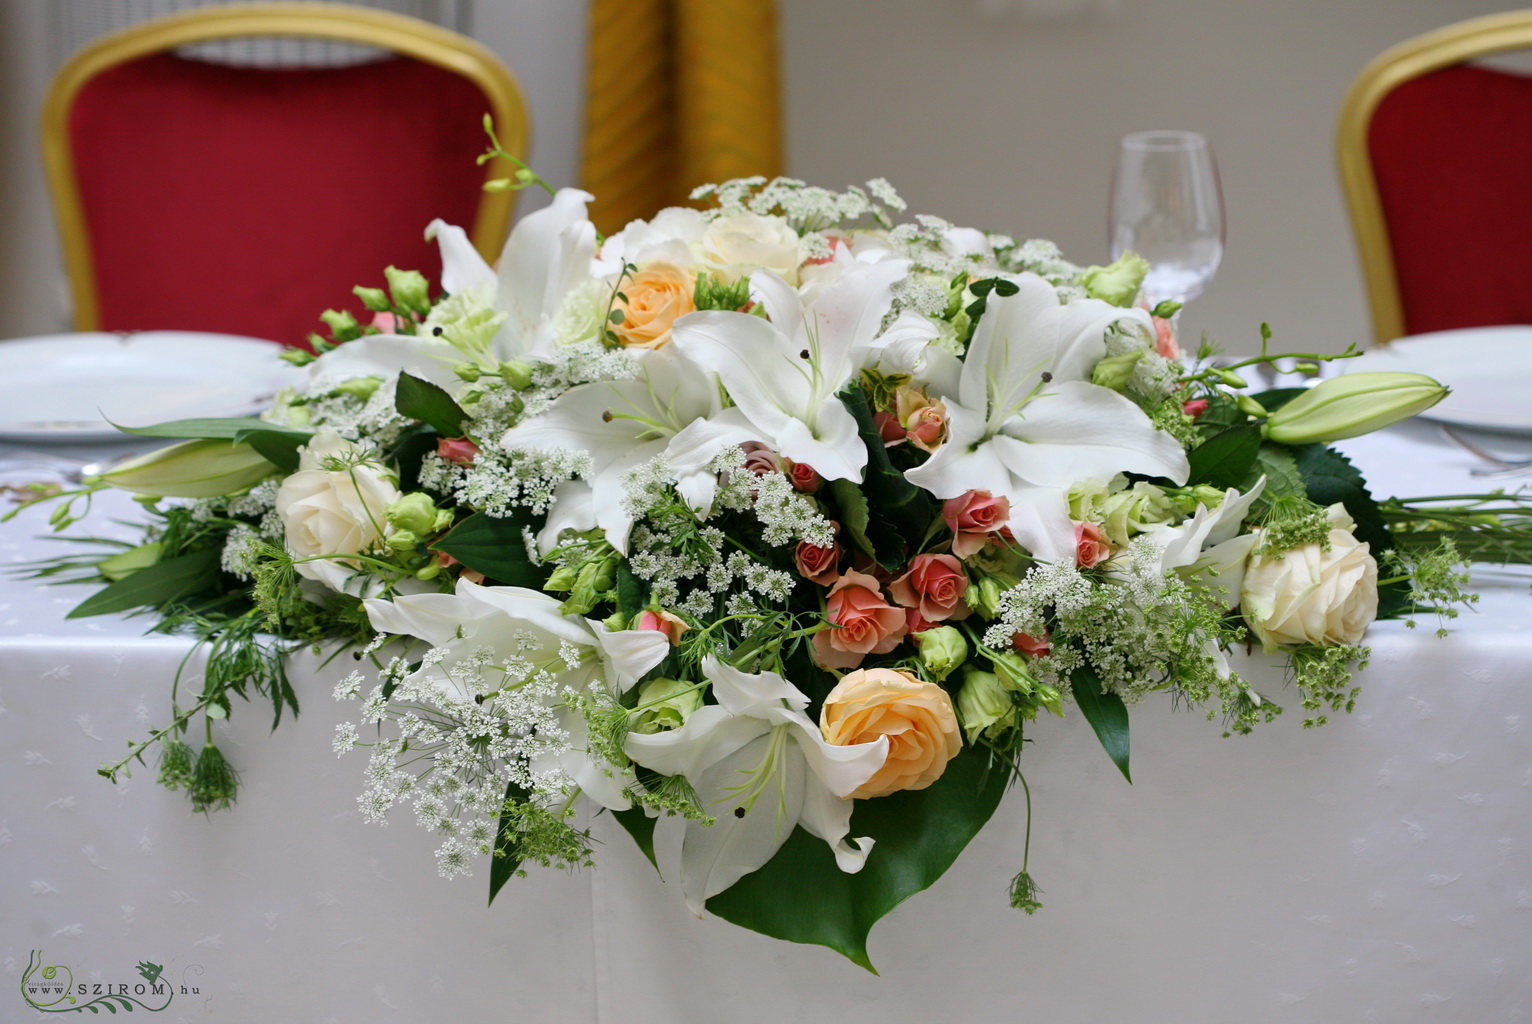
(1436,157)
(247,200)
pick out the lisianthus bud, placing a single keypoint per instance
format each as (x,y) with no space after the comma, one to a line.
(942,649)
(1350,406)
(983,595)
(983,704)
(409,289)
(516,374)
(192,469)
(1118,282)
(664,704)
(359,387)
(417,513)
(1115,371)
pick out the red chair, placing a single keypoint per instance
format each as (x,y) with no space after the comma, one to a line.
(246,200)
(1436,161)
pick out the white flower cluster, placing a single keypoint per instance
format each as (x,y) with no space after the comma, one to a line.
(807,207)
(500,481)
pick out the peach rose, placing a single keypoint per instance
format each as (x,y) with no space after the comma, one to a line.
(917,718)
(657,296)
(816,564)
(1165,339)
(1032,646)
(972,516)
(457,449)
(662,622)
(865,623)
(934,586)
(923,419)
(805,478)
(1091,546)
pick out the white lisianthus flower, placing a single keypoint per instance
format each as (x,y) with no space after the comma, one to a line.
(737,244)
(332,508)
(1310,595)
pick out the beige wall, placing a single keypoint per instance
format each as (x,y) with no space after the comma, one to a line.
(998,113)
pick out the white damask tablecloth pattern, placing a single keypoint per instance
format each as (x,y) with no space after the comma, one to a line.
(1377,869)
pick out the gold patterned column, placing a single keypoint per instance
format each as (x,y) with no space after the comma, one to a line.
(679,93)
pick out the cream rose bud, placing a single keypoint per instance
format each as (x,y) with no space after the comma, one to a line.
(738,243)
(917,717)
(1312,596)
(334,505)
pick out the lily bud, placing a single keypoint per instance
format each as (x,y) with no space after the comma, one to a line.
(1350,406)
(1119,282)
(191,469)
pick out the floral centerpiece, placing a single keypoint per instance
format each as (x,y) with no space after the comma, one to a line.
(774,524)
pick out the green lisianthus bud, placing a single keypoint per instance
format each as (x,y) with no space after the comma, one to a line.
(1186,499)
(983,595)
(191,469)
(1011,669)
(429,571)
(942,649)
(125,563)
(1115,371)
(343,326)
(516,374)
(415,512)
(1118,282)
(409,289)
(664,704)
(562,579)
(359,387)
(1350,406)
(1121,512)
(373,298)
(984,705)
(403,540)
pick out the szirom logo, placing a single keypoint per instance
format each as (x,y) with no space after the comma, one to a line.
(53,989)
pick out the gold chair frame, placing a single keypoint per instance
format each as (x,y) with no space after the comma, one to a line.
(408,37)
(1453,44)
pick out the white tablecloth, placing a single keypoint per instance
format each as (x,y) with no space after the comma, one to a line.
(1376,869)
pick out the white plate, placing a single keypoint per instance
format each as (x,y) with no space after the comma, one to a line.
(66,387)
(1489,370)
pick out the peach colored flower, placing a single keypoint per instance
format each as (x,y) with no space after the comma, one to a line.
(917,718)
(662,622)
(1195,407)
(863,623)
(1165,339)
(1032,646)
(457,449)
(805,479)
(816,564)
(934,585)
(889,428)
(1091,545)
(972,516)
(924,419)
(656,297)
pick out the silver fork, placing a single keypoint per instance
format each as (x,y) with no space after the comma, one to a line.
(1501,467)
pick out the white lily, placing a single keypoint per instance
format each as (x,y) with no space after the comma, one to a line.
(494,637)
(1025,421)
(783,375)
(623,424)
(1209,541)
(762,767)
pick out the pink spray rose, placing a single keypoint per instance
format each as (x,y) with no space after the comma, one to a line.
(819,565)
(1091,545)
(933,586)
(867,623)
(457,449)
(662,622)
(972,517)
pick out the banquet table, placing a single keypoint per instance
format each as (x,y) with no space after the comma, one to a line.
(1376,869)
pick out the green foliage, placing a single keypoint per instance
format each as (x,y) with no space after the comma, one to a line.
(713,293)
(418,399)
(1224,460)
(214,783)
(801,896)
(494,546)
(155,585)
(1323,676)
(528,832)
(895,510)
(1107,715)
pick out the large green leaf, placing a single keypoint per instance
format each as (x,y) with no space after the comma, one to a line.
(503,869)
(154,585)
(898,510)
(421,400)
(641,827)
(277,446)
(208,429)
(1106,714)
(494,546)
(1224,460)
(801,896)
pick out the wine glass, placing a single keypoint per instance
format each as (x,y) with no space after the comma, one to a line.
(1167,207)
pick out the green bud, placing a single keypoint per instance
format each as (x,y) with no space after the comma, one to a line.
(983,704)
(414,512)
(563,578)
(429,571)
(124,564)
(409,289)
(467,371)
(1011,669)
(1250,407)
(666,704)
(616,621)
(191,469)
(1350,406)
(1167,309)
(942,649)
(1186,499)
(1117,283)
(497,185)
(1230,378)
(360,387)
(984,595)
(1115,371)
(403,540)
(374,299)
(516,374)
(297,356)
(343,326)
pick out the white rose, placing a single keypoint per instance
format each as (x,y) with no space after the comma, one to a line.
(332,512)
(1312,596)
(740,242)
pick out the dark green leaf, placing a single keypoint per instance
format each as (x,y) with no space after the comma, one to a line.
(493,546)
(1275,462)
(503,869)
(278,447)
(854,514)
(897,509)
(630,591)
(1224,460)
(155,585)
(413,446)
(1106,714)
(421,400)
(641,827)
(801,896)
(209,429)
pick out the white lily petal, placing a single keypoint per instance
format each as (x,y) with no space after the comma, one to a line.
(388,355)
(828,817)
(628,653)
(1076,431)
(709,734)
(462,266)
(573,508)
(690,451)
(532,607)
(962,463)
(600,782)
(762,372)
(548,254)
